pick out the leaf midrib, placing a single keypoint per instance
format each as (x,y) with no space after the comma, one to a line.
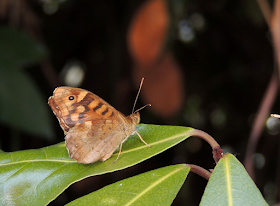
(152,186)
(123,152)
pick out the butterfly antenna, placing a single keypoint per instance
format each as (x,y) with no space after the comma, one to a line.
(142,80)
(143,107)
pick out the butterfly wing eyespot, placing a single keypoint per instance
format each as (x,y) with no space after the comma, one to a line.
(71,98)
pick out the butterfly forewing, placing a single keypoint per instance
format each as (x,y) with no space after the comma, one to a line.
(78,105)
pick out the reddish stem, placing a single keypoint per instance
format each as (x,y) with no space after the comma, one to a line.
(200,171)
(217,151)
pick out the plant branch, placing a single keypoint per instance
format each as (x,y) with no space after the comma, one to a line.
(217,151)
(272,20)
(258,125)
(266,11)
(200,171)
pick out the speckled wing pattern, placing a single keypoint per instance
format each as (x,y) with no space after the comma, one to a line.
(93,128)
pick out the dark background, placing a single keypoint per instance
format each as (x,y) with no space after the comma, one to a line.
(224,69)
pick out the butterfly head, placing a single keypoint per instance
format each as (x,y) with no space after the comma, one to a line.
(135,118)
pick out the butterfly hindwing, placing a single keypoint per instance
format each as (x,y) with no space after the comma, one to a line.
(90,142)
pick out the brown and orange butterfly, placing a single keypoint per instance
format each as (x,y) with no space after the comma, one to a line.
(93,128)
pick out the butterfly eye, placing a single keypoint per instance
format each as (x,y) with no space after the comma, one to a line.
(71,98)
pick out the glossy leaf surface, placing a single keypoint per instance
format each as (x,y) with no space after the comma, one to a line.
(231,185)
(156,187)
(36,177)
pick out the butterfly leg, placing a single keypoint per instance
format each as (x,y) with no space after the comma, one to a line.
(119,153)
(142,139)
(120,150)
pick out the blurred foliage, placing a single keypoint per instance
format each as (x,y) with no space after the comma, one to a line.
(22,105)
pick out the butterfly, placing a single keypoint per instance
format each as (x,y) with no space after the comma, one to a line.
(93,128)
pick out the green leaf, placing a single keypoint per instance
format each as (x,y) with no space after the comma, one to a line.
(156,187)
(22,105)
(231,185)
(36,177)
(17,49)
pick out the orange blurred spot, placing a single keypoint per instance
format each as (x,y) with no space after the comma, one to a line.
(147,33)
(163,85)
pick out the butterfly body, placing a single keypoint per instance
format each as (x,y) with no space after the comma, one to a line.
(93,128)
